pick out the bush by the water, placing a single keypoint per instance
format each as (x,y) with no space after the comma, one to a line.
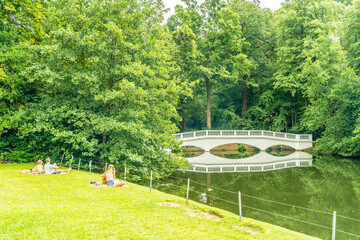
(242,149)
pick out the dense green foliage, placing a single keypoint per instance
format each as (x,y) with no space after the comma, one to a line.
(107,81)
(100,84)
(298,70)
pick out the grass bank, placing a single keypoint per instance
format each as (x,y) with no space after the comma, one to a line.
(66,207)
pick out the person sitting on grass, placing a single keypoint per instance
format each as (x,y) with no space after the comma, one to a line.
(38,169)
(49,169)
(61,171)
(109,175)
(54,169)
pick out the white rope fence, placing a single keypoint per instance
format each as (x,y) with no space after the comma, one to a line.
(280,203)
(267,200)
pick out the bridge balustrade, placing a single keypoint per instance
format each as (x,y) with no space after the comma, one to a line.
(268,133)
(199,134)
(243,133)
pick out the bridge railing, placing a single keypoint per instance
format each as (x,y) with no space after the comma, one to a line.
(229,133)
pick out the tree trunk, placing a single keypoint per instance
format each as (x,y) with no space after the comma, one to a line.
(208,102)
(183,125)
(244,109)
(103,150)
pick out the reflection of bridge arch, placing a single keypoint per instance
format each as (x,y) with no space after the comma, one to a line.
(263,161)
(258,138)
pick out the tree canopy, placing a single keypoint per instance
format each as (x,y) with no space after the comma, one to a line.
(109,81)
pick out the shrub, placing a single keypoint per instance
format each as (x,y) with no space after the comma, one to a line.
(242,149)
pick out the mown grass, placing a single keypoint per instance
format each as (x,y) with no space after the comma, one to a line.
(66,207)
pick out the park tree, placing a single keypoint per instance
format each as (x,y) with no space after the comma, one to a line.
(341,133)
(234,65)
(352,35)
(108,91)
(308,50)
(329,85)
(25,17)
(185,27)
(219,41)
(186,58)
(20,26)
(258,35)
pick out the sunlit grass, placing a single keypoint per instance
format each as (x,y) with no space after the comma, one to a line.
(66,207)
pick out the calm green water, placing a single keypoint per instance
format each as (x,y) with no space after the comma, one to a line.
(331,184)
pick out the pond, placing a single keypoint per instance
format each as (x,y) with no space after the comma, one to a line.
(298,198)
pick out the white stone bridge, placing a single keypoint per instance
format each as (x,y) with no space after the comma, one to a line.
(209,139)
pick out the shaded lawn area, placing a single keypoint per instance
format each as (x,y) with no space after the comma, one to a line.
(66,207)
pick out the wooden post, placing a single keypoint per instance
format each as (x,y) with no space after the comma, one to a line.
(62,159)
(79,164)
(240,213)
(334,226)
(71,161)
(187,191)
(150,180)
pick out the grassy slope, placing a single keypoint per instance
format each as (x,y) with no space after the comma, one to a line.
(66,207)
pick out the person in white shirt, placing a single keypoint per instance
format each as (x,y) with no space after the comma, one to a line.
(49,169)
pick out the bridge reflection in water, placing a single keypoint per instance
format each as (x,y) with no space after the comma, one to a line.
(209,163)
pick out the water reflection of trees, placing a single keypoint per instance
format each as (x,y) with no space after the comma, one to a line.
(235,151)
(280,150)
(330,185)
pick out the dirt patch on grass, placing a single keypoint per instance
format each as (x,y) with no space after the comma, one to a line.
(192,212)
(170,204)
(248,229)
(210,215)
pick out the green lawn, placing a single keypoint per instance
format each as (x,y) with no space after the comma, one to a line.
(66,207)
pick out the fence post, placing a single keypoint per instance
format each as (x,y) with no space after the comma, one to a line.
(150,180)
(240,213)
(334,226)
(187,191)
(79,164)
(62,159)
(105,167)
(71,161)
(125,175)
(90,167)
